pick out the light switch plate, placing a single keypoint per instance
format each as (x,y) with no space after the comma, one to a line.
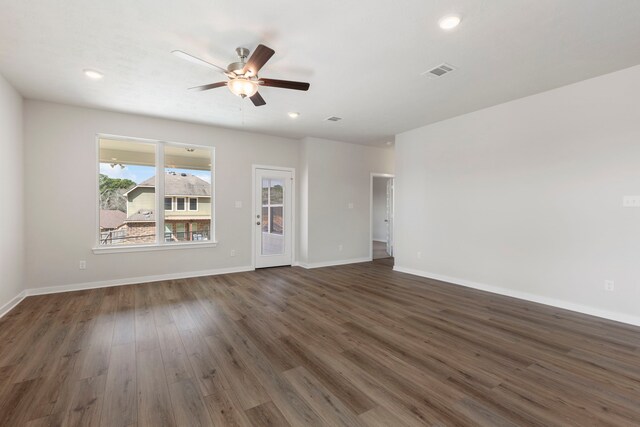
(631,202)
(238,204)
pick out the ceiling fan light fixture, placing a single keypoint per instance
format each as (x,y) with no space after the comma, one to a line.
(243,87)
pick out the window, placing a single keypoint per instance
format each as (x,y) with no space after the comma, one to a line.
(180,206)
(127,192)
(187,177)
(180,233)
(195,234)
(139,177)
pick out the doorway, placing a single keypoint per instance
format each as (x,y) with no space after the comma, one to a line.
(273,217)
(381,240)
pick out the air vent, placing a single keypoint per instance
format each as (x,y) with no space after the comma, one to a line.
(439,71)
(333,119)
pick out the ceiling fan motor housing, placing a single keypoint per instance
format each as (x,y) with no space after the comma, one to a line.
(237,67)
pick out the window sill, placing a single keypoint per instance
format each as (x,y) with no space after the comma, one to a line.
(151,248)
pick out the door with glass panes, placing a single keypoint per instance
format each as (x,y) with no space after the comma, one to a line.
(272,218)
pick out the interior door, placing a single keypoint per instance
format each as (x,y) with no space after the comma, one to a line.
(390,217)
(272,218)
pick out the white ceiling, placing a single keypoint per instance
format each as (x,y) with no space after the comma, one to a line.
(362,58)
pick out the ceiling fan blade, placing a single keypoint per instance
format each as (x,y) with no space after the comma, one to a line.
(257,100)
(209,86)
(285,84)
(258,58)
(196,60)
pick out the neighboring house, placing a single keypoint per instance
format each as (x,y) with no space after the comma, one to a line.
(187,205)
(111,223)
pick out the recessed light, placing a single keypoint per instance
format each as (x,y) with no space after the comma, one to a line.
(93,74)
(449,22)
(294,114)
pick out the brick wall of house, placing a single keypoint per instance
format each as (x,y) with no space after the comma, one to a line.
(145,232)
(140,232)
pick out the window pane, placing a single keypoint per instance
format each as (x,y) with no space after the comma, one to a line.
(265,191)
(265,219)
(168,203)
(276,220)
(276,192)
(180,204)
(127,192)
(187,175)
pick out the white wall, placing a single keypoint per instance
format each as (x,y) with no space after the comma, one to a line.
(11,191)
(338,174)
(61,197)
(526,197)
(379,208)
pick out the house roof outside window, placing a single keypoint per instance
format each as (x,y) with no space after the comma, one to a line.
(179,184)
(111,219)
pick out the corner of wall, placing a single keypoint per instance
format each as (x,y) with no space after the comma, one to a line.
(12,247)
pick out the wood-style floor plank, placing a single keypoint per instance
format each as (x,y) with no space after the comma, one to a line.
(154,401)
(351,345)
(267,415)
(86,406)
(188,406)
(120,395)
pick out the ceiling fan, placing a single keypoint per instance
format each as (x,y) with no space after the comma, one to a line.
(243,79)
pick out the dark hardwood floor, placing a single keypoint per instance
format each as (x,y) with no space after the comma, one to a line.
(350,345)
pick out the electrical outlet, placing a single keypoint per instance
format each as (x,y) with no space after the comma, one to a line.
(83,265)
(350,205)
(238,204)
(419,255)
(631,202)
(608,285)
(232,253)
(339,248)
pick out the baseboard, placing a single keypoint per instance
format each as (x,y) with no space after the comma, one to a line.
(311,265)
(592,311)
(12,303)
(134,280)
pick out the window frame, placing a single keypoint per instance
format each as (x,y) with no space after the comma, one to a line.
(160,166)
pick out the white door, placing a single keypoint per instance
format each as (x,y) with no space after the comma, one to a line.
(390,217)
(272,218)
